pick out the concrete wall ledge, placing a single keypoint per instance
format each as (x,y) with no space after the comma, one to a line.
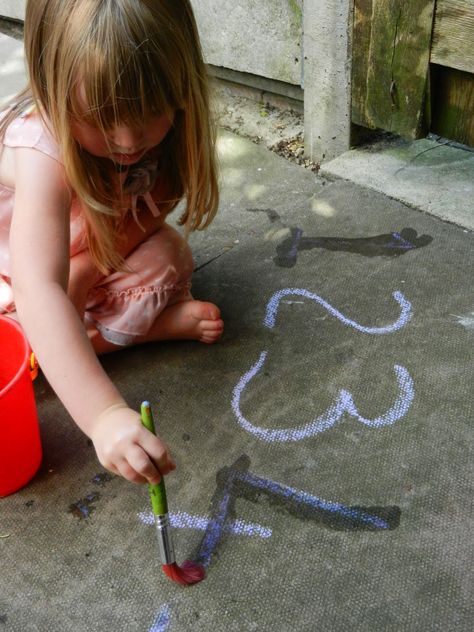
(280,88)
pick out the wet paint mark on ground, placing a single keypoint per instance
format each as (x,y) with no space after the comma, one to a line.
(237,482)
(307,506)
(83,508)
(385,245)
(222,507)
(392,244)
(102,478)
(272,215)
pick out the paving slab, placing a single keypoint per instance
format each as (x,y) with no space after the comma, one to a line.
(432,175)
(323,446)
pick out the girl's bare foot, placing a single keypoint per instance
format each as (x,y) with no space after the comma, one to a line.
(187,320)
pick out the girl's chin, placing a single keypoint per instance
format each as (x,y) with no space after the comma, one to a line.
(127,159)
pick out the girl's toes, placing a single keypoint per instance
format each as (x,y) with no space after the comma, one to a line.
(215,325)
(212,331)
(206,340)
(213,312)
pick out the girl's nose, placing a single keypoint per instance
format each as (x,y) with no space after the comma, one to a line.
(126,139)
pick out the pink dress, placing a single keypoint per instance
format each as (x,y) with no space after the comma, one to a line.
(124,305)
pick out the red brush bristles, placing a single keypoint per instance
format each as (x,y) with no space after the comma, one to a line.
(188,573)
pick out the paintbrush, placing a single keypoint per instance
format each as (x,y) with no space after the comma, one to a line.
(189,572)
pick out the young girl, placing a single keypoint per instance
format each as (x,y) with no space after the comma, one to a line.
(111,133)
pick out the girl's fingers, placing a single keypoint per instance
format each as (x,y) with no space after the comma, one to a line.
(139,462)
(158,453)
(143,458)
(124,469)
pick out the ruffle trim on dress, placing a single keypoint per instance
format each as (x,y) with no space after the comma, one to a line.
(140,290)
(122,316)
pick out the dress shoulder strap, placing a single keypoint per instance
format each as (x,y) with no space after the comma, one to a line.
(29,130)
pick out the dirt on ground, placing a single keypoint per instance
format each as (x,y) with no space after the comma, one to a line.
(279,127)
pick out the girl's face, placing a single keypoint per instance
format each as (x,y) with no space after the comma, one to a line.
(123,144)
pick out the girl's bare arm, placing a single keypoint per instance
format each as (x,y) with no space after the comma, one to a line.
(39,245)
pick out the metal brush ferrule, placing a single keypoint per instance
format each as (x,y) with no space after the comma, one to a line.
(163,529)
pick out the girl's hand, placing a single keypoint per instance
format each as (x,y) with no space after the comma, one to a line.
(125,447)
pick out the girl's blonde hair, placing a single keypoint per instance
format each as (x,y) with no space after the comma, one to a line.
(132,59)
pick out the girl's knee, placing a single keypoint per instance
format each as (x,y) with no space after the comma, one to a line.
(164,259)
(170,253)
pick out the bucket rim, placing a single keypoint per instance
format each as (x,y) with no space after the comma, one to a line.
(23,363)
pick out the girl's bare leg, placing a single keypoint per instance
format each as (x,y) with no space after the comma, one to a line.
(187,320)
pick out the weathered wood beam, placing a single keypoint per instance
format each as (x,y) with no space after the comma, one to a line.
(453,35)
(391,52)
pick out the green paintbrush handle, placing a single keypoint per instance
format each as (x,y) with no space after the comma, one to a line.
(157,492)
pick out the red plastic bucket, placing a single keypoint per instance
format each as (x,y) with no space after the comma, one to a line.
(20,445)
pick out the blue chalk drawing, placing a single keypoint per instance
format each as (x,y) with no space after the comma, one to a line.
(304,498)
(273,304)
(344,403)
(400,243)
(162,619)
(466,321)
(183,520)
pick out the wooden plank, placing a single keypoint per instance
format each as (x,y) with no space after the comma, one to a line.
(453,35)
(360,52)
(391,51)
(453,104)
